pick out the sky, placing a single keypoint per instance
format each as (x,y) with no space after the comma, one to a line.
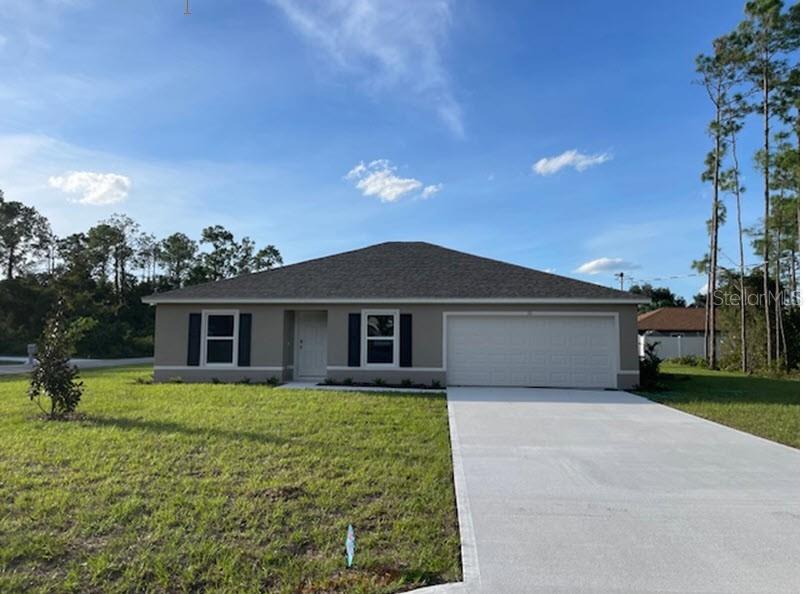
(563,136)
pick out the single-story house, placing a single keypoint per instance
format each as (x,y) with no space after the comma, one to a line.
(400,311)
(675,321)
(678,331)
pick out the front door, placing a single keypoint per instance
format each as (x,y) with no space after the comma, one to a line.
(312,344)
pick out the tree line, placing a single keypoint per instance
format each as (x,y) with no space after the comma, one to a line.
(752,72)
(101,275)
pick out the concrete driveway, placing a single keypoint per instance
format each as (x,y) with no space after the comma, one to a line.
(603,491)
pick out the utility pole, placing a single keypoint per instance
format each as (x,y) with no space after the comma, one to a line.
(621,277)
(187,7)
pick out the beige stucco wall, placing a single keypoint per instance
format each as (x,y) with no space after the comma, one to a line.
(273,336)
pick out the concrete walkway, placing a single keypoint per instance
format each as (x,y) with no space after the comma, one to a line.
(23,366)
(603,491)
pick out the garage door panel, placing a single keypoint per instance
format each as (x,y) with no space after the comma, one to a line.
(565,351)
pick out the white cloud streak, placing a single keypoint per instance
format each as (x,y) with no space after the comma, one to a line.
(431,190)
(570,158)
(391,45)
(601,265)
(379,179)
(97,189)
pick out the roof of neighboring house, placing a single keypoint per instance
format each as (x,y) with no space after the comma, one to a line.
(403,271)
(675,319)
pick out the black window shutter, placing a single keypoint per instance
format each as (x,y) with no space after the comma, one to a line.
(354,340)
(244,339)
(405,351)
(194,339)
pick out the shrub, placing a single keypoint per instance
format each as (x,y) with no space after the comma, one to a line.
(175,380)
(649,364)
(379,382)
(147,379)
(215,380)
(329,381)
(273,381)
(245,380)
(689,360)
(436,384)
(348,381)
(54,377)
(406,383)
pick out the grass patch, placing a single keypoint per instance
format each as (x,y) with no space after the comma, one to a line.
(232,488)
(762,406)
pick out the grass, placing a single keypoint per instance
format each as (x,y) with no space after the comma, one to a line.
(762,406)
(229,488)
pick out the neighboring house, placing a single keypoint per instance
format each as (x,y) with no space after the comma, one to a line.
(400,311)
(679,331)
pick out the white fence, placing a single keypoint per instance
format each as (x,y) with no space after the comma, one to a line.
(675,346)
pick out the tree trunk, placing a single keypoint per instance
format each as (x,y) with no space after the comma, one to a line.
(711,354)
(10,263)
(766,232)
(743,323)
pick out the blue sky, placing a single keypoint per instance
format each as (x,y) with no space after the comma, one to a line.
(547,134)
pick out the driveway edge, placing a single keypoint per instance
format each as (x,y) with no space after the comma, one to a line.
(468,554)
(470,559)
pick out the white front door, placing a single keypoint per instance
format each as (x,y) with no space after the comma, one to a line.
(537,350)
(312,344)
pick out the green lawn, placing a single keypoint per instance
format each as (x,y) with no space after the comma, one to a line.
(179,488)
(765,407)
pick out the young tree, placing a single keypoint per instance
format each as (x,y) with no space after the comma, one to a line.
(54,377)
(24,235)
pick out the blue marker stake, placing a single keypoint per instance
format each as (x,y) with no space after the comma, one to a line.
(350,545)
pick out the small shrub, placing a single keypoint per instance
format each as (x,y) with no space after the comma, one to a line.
(175,380)
(406,383)
(215,380)
(689,361)
(245,380)
(329,381)
(54,377)
(436,384)
(148,379)
(649,372)
(273,381)
(379,382)
(348,381)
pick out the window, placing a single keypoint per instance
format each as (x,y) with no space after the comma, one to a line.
(220,337)
(380,331)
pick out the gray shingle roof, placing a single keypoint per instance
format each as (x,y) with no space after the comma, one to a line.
(396,270)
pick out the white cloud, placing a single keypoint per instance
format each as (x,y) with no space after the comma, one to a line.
(606,265)
(393,46)
(378,179)
(571,158)
(431,190)
(94,188)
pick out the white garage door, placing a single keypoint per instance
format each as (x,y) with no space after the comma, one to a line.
(562,351)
